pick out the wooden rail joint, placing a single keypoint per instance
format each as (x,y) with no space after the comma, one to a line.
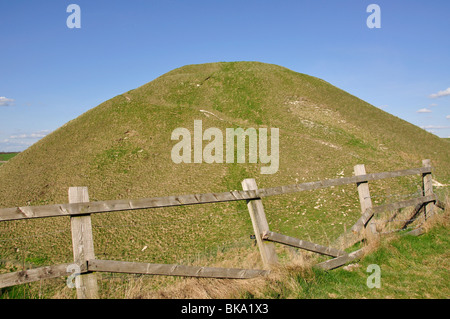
(45,272)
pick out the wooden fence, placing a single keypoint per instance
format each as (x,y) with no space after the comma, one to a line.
(80,208)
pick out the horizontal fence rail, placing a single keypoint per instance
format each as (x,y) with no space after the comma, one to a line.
(27,212)
(265,192)
(72,209)
(303,244)
(172,270)
(341,260)
(67,269)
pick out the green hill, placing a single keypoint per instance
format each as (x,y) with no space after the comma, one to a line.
(122,149)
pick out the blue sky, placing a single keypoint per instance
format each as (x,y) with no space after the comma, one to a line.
(51,74)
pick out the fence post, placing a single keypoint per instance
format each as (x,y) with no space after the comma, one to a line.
(260,225)
(427,183)
(83,244)
(364,195)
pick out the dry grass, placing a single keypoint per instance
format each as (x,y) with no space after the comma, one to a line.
(282,279)
(205,288)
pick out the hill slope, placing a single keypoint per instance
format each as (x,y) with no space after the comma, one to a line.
(122,149)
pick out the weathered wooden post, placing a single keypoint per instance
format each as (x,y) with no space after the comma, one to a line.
(83,244)
(260,225)
(427,184)
(364,196)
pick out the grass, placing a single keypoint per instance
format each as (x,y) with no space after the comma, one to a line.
(121,149)
(410,267)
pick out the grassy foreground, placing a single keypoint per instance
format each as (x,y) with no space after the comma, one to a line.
(411,268)
(6,156)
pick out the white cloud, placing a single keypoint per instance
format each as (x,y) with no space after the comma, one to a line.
(19,142)
(440,93)
(9,142)
(424,110)
(435,127)
(4,101)
(34,135)
(13,137)
(14,146)
(433,104)
(448,117)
